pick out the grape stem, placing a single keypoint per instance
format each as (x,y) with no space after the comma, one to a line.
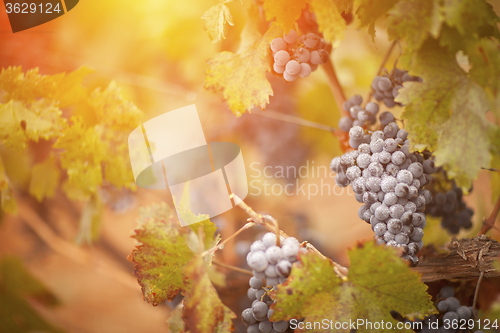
(234,268)
(340,270)
(221,244)
(335,87)
(490,222)
(381,67)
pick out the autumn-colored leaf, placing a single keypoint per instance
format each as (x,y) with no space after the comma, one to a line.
(164,251)
(203,310)
(82,154)
(44,178)
(7,201)
(368,11)
(215,18)
(30,86)
(20,123)
(241,76)
(330,22)
(378,282)
(70,90)
(286,12)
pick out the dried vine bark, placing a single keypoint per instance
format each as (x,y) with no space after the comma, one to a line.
(466,259)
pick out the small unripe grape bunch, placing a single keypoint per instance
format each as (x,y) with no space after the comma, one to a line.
(389,179)
(386,87)
(357,115)
(296,56)
(448,203)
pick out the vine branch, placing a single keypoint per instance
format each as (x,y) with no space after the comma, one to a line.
(333,82)
(382,65)
(490,222)
(231,267)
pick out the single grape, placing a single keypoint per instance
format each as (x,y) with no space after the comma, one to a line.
(265,326)
(372,107)
(405,176)
(391,130)
(398,157)
(305,71)
(384,84)
(341,180)
(255,283)
(388,184)
(280,326)
(251,293)
(288,77)
(311,40)
(417,234)
(396,211)
(453,303)
(394,226)
(402,190)
(291,37)
(450,316)
(257,246)
(356,132)
(253,328)
(283,268)
(302,55)
(382,212)
(380,229)
(402,239)
(429,166)
(259,293)
(293,67)
(376,169)
(377,145)
(247,317)
(386,118)
(278,69)
(281,58)
(278,44)
(257,261)
(290,251)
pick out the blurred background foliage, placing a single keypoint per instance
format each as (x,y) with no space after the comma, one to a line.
(156,51)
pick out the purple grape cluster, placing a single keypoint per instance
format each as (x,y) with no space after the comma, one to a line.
(450,206)
(271,265)
(389,180)
(357,116)
(386,87)
(296,56)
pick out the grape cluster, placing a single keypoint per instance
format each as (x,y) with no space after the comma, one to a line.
(296,56)
(271,265)
(357,116)
(389,180)
(450,311)
(386,87)
(449,205)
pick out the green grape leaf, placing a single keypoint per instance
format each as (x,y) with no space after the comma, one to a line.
(378,282)
(44,179)
(286,12)
(7,201)
(370,10)
(446,113)
(428,103)
(90,220)
(330,22)
(16,314)
(241,76)
(414,21)
(203,310)
(466,132)
(30,86)
(83,152)
(471,17)
(215,18)
(164,251)
(20,123)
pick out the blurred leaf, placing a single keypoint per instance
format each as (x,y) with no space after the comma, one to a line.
(241,76)
(203,310)
(70,90)
(16,314)
(30,86)
(20,123)
(83,152)
(472,18)
(215,18)
(286,12)
(378,282)
(175,322)
(163,253)
(90,220)
(7,201)
(414,20)
(44,179)
(330,22)
(370,10)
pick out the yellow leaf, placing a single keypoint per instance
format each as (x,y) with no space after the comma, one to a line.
(285,11)
(71,91)
(329,18)
(7,201)
(30,86)
(242,76)
(19,123)
(44,179)
(215,18)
